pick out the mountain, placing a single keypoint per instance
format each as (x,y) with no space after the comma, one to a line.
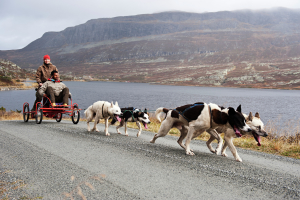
(233,49)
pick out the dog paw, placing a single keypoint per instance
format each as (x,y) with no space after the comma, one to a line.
(152,141)
(217,151)
(213,150)
(137,135)
(238,159)
(189,153)
(224,154)
(126,134)
(107,134)
(120,133)
(97,130)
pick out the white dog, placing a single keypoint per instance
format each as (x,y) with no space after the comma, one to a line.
(193,119)
(102,110)
(254,123)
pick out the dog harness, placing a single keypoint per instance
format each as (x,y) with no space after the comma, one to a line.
(196,104)
(103,109)
(131,112)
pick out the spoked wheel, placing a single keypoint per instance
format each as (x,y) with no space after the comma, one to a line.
(75,115)
(58,117)
(39,114)
(26,112)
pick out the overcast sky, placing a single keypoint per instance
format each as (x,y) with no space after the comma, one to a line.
(23,21)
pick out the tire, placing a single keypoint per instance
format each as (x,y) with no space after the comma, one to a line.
(39,114)
(75,115)
(26,112)
(58,117)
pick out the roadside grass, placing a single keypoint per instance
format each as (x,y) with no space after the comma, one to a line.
(280,141)
(10,115)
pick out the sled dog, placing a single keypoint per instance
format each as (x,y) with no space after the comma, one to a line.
(257,127)
(102,110)
(133,115)
(193,119)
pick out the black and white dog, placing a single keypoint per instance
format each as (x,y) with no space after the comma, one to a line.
(193,119)
(133,115)
(254,123)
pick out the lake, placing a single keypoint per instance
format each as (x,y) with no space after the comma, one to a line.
(280,105)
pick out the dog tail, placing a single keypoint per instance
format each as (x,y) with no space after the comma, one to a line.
(158,111)
(86,110)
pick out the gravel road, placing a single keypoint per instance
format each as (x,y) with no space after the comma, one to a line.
(45,156)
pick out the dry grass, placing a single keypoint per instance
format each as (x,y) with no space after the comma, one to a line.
(10,115)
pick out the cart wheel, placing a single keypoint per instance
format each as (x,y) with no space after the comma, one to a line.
(26,112)
(39,114)
(58,117)
(75,115)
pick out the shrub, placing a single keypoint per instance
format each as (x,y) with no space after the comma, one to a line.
(5,79)
(2,109)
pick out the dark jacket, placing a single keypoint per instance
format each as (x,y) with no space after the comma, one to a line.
(43,73)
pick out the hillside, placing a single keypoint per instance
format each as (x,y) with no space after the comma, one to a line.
(232,49)
(11,74)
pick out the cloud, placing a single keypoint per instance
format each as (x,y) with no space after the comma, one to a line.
(22,22)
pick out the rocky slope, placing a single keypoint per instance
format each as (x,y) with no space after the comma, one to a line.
(10,72)
(240,49)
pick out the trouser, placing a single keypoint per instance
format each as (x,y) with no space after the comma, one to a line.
(38,98)
(62,97)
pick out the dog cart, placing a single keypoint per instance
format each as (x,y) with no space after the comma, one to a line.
(46,109)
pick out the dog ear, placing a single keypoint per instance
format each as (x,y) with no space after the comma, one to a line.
(257,115)
(250,117)
(231,111)
(145,111)
(116,104)
(239,108)
(111,104)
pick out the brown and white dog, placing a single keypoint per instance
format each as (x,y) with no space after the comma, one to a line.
(254,123)
(131,114)
(102,110)
(193,119)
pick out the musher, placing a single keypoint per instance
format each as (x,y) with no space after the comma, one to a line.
(43,73)
(56,90)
